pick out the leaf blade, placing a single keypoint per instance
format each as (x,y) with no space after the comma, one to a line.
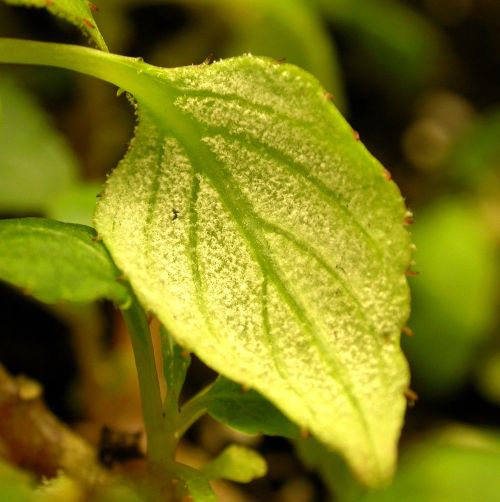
(56,261)
(236,463)
(269,237)
(76,12)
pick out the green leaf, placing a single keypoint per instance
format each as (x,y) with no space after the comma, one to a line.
(397,41)
(175,366)
(56,261)
(15,485)
(36,165)
(460,465)
(75,205)
(454,296)
(236,463)
(201,491)
(77,12)
(246,410)
(268,241)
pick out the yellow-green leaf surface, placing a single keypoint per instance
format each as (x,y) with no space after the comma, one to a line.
(76,12)
(267,240)
(56,261)
(236,463)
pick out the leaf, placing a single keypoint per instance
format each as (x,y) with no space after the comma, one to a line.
(75,205)
(77,12)
(175,366)
(394,38)
(201,491)
(56,261)
(236,463)
(454,296)
(36,165)
(246,410)
(461,466)
(269,242)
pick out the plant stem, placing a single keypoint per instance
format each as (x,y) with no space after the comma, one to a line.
(192,411)
(161,441)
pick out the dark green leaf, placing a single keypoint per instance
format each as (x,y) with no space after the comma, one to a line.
(56,261)
(246,410)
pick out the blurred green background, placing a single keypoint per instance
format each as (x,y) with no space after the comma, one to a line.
(420,81)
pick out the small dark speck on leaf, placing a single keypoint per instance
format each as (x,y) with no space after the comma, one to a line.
(175,213)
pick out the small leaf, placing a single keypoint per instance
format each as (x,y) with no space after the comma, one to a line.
(36,165)
(268,241)
(56,261)
(76,12)
(236,463)
(175,365)
(246,410)
(201,491)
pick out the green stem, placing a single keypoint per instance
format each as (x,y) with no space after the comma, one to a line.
(195,408)
(161,441)
(131,74)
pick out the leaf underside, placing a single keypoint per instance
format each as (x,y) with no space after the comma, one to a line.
(268,241)
(76,12)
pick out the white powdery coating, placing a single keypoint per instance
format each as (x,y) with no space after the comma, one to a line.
(268,241)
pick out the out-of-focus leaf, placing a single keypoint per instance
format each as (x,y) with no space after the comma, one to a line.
(75,205)
(15,486)
(397,40)
(460,465)
(36,165)
(475,158)
(246,411)
(77,12)
(453,297)
(200,490)
(488,376)
(56,261)
(236,463)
